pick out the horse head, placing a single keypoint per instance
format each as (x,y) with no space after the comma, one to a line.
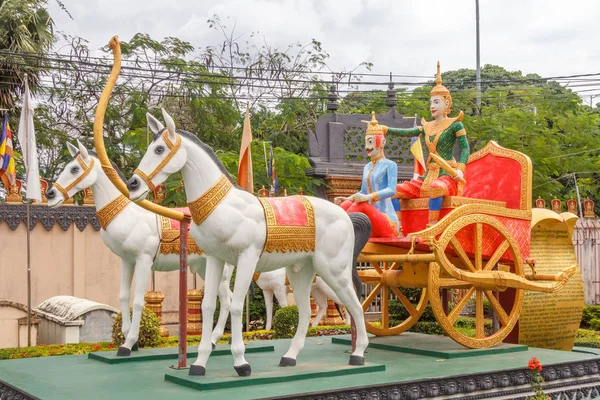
(164,156)
(79,174)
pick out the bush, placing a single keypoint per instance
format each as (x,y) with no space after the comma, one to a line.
(589,314)
(149,329)
(285,321)
(587,333)
(595,324)
(54,350)
(593,342)
(427,327)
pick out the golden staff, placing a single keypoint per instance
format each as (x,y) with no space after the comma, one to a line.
(445,166)
(115,45)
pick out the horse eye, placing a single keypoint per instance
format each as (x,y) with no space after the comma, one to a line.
(159,149)
(74,170)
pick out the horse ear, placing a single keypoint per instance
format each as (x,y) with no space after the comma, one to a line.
(170,125)
(72,149)
(83,151)
(154,124)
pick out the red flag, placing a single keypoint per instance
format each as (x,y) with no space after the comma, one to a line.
(245,178)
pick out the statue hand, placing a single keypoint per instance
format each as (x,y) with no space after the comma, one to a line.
(361,198)
(340,200)
(459,175)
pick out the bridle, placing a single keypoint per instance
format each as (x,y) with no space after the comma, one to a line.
(86,170)
(173,147)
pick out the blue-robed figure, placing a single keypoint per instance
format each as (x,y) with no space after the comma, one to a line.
(380,177)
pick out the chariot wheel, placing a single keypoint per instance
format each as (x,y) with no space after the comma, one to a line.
(411,305)
(463,247)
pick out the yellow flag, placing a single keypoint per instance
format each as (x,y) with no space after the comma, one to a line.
(245,178)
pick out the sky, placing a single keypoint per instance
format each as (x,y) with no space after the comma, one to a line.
(406,37)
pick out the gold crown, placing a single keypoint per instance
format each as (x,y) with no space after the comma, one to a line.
(439,89)
(374,128)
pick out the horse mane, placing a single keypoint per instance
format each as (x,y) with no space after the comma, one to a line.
(93,153)
(208,150)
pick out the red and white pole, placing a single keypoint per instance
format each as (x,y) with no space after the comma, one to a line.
(183,251)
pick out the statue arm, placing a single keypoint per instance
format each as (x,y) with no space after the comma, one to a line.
(410,132)
(465,149)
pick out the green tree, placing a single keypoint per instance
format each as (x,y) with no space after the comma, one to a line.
(25,27)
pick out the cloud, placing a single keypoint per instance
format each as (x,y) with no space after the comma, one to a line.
(405,37)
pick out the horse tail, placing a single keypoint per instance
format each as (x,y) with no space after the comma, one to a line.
(362,233)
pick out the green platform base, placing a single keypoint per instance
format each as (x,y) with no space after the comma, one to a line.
(269,374)
(431,346)
(79,377)
(110,357)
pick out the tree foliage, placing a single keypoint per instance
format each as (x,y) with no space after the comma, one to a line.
(25,26)
(542,119)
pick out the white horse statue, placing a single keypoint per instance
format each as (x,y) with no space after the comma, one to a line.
(135,235)
(273,283)
(306,235)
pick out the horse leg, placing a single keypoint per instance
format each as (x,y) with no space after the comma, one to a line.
(269,306)
(301,282)
(348,298)
(143,268)
(225,300)
(321,301)
(214,271)
(281,295)
(124,297)
(243,277)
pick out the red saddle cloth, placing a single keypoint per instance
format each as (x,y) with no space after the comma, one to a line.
(170,237)
(290,224)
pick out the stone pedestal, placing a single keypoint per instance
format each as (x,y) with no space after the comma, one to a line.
(154,303)
(342,185)
(194,311)
(313,309)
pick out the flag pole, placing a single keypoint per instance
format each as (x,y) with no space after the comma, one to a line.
(28,245)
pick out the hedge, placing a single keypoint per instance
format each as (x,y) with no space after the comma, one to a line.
(84,348)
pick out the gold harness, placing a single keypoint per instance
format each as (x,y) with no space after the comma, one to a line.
(173,147)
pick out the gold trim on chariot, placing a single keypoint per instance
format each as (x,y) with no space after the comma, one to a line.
(447,202)
(289,238)
(110,211)
(204,205)
(170,239)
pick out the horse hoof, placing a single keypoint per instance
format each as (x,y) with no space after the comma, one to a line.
(214,346)
(243,370)
(123,352)
(287,362)
(197,370)
(357,360)
(136,346)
